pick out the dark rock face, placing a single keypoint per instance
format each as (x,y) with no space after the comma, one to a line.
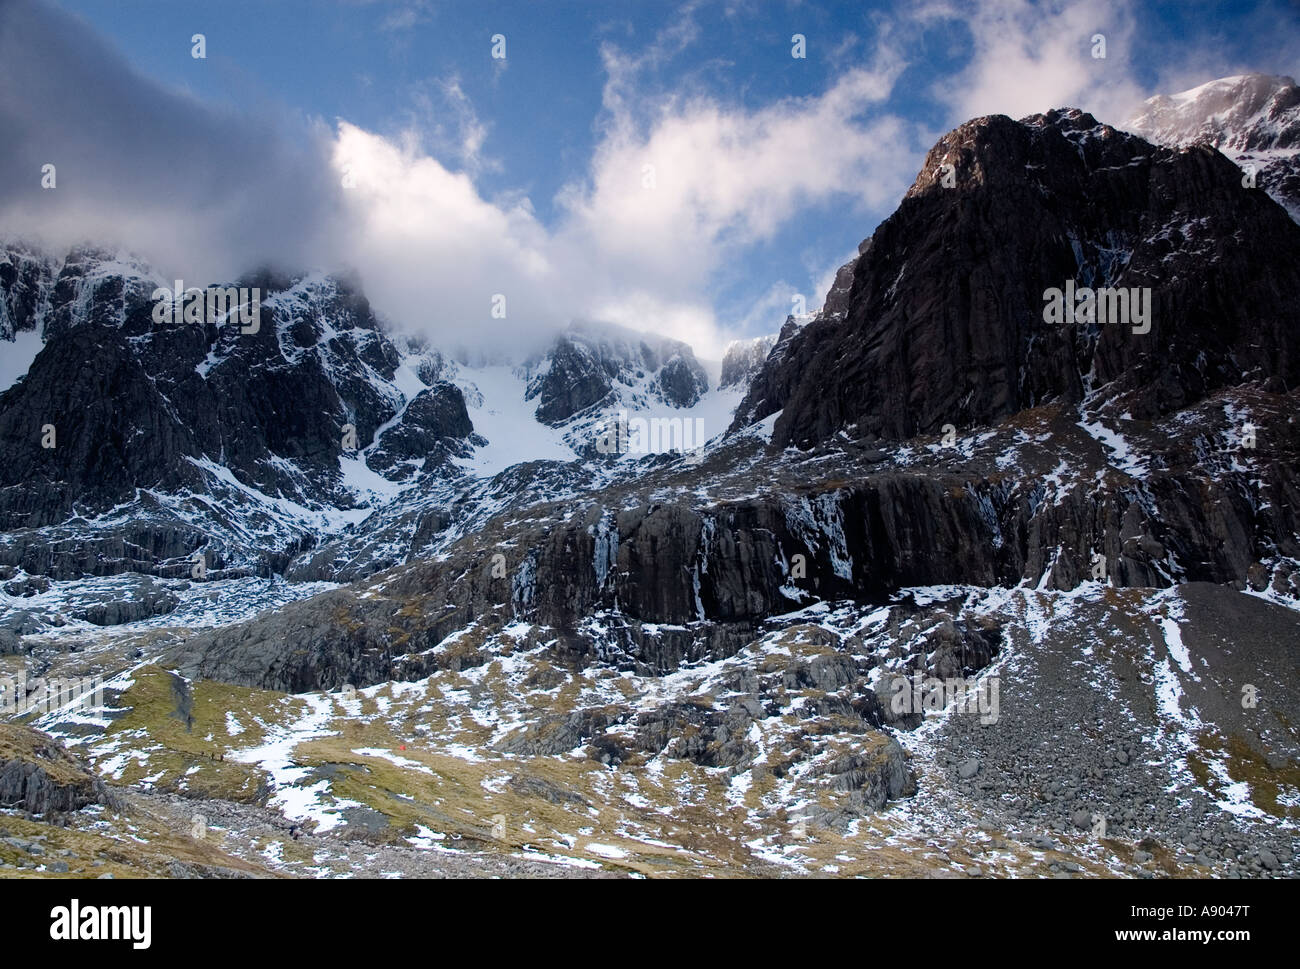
(137,410)
(24,274)
(557,734)
(11,643)
(682,381)
(27,586)
(141,600)
(95,393)
(142,545)
(435,423)
(577,380)
(837,300)
(877,773)
(945,323)
(135,403)
(19,622)
(100,288)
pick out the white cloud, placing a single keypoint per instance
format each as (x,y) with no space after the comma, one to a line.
(206,194)
(403,16)
(1031,57)
(677,192)
(204,191)
(432,253)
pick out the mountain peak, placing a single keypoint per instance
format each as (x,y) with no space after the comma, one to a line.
(1253,119)
(998,150)
(1245,112)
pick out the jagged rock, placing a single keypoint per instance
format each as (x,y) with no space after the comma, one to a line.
(839,298)
(24,277)
(688,731)
(682,381)
(527,785)
(112,378)
(961,651)
(28,586)
(434,422)
(875,775)
(575,381)
(142,599)
(23,622)
(555,734)
(586,365)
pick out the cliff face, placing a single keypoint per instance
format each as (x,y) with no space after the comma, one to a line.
(138,404)
(688,563)
(944,320)
(587,366)
(743,359)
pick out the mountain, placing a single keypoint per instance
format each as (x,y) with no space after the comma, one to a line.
(1253,119)
(962,579)
(946,324)
(189,436)
(255,448)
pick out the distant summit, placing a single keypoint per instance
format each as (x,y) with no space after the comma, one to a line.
(1254,119)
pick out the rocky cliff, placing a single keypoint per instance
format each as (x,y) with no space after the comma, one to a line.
(945,318)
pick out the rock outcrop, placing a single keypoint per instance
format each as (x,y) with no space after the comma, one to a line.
(39,776)
(744,359)
(590,365)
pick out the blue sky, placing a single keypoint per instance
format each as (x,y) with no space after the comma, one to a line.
(528,175)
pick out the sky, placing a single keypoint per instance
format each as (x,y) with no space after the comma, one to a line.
(670,167)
